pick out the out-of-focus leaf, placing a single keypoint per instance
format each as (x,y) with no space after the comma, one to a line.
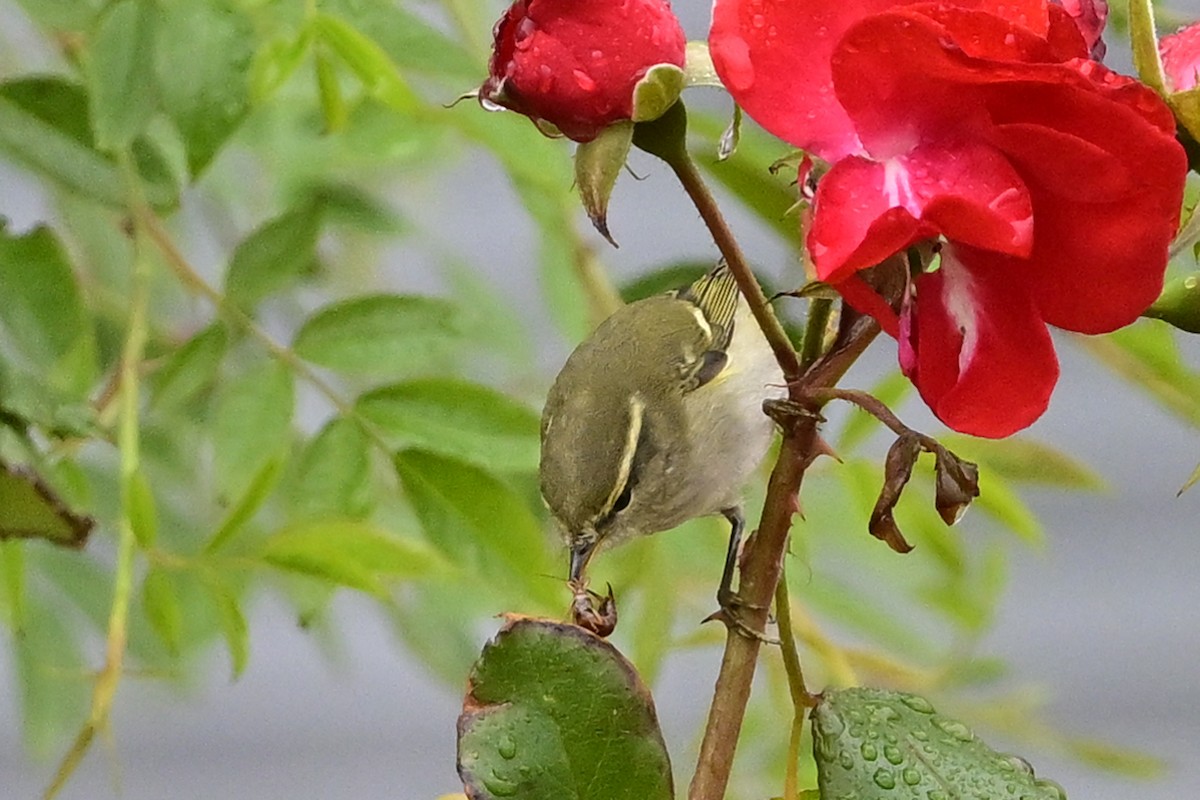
(890,391)
(998,500)
(874,744)
(349,553)
(190,369)
(745,173)
(437,620)
(380,334)
(553,711)
(368,61)
(138,499)
(208,99)
(119,66)
(664,279)
(881,622)
(334,473)
(479,522)
(44,124)
(1191,481)
(356,208)
(411,42)
(42,309)
(253,423)
(456,418)
(233,622)
(162,608)
(329,91)
(246,506)
(31,509)
(1022,460)
(278,253)
(1147,355)
(50,673)
(275,61)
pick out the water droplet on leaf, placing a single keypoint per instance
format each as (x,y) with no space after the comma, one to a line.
(884,778)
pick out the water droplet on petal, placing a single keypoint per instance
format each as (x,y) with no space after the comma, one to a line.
(583,80)
(758,21)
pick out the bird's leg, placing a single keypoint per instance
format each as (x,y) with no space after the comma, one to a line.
(732,605)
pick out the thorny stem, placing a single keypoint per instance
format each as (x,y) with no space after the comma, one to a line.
(129,445)
(762,558)
(192,281)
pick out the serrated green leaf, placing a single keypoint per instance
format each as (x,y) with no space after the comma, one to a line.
(875,744)
(479,522)
(232,621)
(31,509)
(553,711)
(119,65)
(253,423)
(210,98)
(43,309)
(246,505)
(138,501)
(162,608)
(349,553)
(334,473)
(277,254)
(456,418)
(368,61)
(190,369)
(380,334)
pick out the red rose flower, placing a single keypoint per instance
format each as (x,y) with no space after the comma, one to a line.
(575,63)
(1053,184)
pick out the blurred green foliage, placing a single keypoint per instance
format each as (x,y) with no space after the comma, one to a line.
(303,426)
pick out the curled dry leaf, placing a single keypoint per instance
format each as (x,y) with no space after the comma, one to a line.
(897,469)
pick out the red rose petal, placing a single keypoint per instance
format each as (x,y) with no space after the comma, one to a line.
(976,348)
(866,210)
(1181,57)
(773,56)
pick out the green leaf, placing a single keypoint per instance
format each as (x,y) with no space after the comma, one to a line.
(456,418)
(479,522)
(190,369)
(875,744)
(329,90)
(411,42)
(31,509)
(553,712)
(162,608)
(246,506)
(276,60)
(380,334)
(208,100)
(277,254)
(50,673)
(1147,355)
(598,163)
(253,424)
(1023,460)
(334,473)
(138,500)
(232,621)
(348,553)
(44,123)
(120,65)
(43,309)
(368,61)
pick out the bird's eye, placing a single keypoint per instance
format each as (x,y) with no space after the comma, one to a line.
(623,498)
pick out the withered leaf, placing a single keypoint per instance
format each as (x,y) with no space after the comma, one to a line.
(957,485)
(897,469)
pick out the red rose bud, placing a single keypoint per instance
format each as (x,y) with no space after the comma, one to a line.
(575,64)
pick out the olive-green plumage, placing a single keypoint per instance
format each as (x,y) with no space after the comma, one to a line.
(656,418)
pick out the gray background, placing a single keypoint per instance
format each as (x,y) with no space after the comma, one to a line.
(1106,619)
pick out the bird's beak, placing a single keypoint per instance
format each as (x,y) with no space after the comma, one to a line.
(581,553)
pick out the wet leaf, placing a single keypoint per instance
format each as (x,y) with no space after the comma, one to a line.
(31,509)
(875,744)
(553,711)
